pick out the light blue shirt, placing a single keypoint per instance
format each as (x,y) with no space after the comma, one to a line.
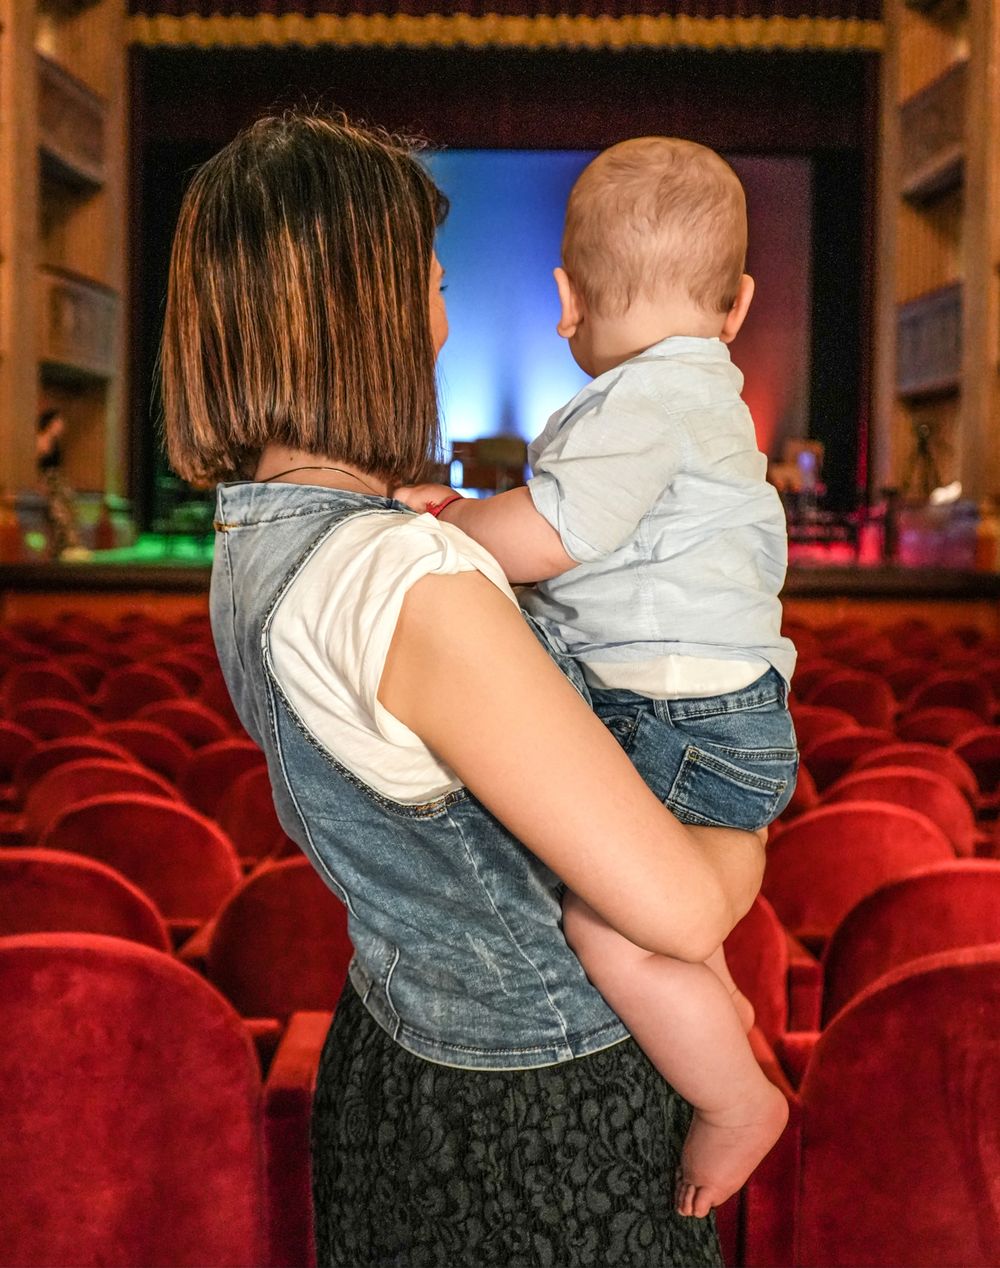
(652,477)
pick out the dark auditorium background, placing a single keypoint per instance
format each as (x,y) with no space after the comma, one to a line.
(169,960)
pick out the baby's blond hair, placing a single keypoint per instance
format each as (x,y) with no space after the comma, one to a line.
(655,214)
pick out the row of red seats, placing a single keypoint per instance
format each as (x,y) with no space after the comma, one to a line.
(158,1143)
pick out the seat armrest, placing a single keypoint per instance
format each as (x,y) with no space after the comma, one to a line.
(805,986)
(769,1197)
(794,1051)
(194,952)
(288,1094)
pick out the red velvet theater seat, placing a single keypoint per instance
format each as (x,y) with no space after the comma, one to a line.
(980,749)
(48,891)
(866,697)
(814,722)
(26,683)
(84,778)
(183,862)
(195,723)
(126,690)
(829,756)
(922,790)
(828,859)
(247,815)
(906,674)
(54,719)
(153,745)
(939,724)
(932,757)
(810,672)
(279,944)
(804,797)
(214,769)
(954,691)
(16,742)
(935,909)
(900,1154)
(130,1128)
(71,748)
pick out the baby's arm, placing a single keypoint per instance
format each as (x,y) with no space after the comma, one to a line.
(523,542)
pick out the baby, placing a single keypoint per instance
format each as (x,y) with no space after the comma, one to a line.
(659,551)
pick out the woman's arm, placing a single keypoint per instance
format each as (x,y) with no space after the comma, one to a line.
(466,674)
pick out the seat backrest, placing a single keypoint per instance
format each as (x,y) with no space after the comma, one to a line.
(194,722)
(810,672)
(757,955)
(16,742)
(923,790)
(980,749)
(75,781)
(831,755)
(866,697)
(54,719)
(183,862)
(153,745)
(901,1102)
(125,690)
(246,814)
(214,769)
(814,721)
(26,683)
(934,909)
(930,757)
(955,690)
(48,891)
(828,859)
(805,795)
(130,1130)
(280,943)
(939,724)
(72,748)
(905,674)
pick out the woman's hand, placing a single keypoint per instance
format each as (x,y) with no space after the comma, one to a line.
(466,674)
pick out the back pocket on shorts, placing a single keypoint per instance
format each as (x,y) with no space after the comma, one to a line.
(710,790)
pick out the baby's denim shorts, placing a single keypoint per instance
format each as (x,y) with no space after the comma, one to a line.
(728,760)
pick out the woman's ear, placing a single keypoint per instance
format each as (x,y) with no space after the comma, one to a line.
(741,305)
(571,309)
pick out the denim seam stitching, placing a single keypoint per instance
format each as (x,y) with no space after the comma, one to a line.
(694,756)
(496,1052)
(423,810)
(510,933)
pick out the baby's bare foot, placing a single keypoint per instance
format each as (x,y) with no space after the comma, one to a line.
(744,1009)
(722,1150)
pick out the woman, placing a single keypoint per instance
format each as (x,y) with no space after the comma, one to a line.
(477,1101)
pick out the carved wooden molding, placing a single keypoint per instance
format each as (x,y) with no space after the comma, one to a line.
(932,136)
(71,126)
(77,324)
(929,343)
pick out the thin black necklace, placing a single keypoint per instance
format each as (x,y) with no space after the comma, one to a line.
(340,471)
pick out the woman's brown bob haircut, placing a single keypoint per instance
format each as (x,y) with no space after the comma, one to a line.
(297,307)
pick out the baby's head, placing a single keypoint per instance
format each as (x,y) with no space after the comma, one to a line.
(655,241)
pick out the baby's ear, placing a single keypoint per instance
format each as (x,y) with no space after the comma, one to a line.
(571,309)
(741,306)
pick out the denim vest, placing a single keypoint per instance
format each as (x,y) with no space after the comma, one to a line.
(459,952)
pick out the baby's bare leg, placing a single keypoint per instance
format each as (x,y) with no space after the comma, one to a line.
(744,1009)
(683,1018)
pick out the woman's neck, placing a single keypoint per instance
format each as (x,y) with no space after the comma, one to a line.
(279,465)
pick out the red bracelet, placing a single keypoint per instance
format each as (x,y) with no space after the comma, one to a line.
(435,508)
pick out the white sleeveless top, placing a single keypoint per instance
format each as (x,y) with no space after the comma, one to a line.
(331,632)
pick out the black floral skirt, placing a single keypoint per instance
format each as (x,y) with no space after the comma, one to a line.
(418,1165)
